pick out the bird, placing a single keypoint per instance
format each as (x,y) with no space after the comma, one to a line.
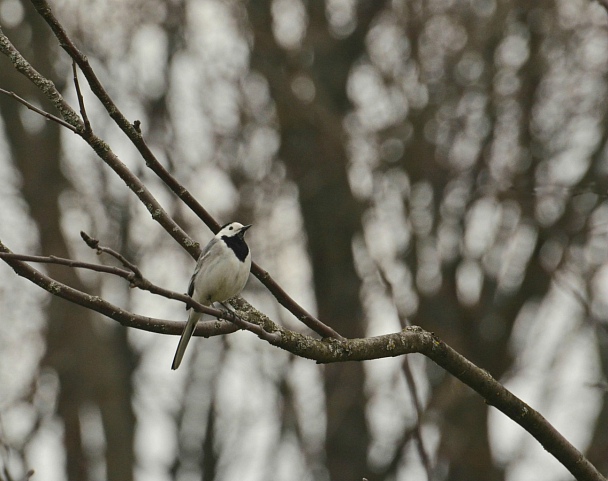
(221,273)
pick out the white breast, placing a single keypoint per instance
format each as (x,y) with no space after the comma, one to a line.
(221,277)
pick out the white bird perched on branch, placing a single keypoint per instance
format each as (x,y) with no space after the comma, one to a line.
(221,272)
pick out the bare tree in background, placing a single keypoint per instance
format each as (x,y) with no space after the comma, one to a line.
(446,161)
(93,369)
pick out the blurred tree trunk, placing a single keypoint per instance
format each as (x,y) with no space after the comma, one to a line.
(481,332)
(93,367)
(313,149)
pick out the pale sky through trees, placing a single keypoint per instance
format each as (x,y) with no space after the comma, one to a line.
(474,135)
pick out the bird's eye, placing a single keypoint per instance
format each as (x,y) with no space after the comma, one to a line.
(230,227)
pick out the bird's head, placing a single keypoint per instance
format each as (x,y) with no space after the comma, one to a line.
(233,229)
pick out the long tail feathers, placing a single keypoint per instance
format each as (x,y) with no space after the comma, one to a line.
(185,339)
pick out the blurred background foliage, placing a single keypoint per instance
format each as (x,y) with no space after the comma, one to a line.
(456,149)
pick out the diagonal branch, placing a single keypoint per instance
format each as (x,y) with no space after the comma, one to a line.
(44,85)
(495,394)
(46,115)
(99,146)
(131,130)
(83,112)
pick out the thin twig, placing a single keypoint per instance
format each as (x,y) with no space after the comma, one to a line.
(117,271)
(83,112)
(46,115)
(422,451)
(94,244)
(411,383)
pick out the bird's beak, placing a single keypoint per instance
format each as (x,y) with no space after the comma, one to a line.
(241,233)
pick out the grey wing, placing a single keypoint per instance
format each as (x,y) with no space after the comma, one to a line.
(203,258)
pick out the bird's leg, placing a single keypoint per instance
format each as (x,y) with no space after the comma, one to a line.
(229,309)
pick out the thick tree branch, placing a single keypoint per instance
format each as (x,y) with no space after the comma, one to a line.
(495,394)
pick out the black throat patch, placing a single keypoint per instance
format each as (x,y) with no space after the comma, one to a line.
(238,245)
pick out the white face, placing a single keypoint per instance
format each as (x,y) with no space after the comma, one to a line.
(230,229)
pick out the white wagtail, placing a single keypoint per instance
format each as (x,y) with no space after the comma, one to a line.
(221,273)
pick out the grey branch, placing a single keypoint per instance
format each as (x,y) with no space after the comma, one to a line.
(33,108)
